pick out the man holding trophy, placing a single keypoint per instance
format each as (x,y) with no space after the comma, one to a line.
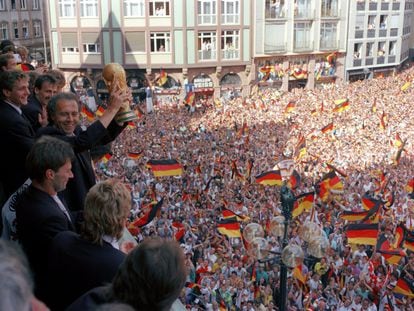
(64,112)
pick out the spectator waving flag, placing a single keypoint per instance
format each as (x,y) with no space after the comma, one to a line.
(168,167)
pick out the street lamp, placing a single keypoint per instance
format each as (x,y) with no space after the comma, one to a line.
(292,255)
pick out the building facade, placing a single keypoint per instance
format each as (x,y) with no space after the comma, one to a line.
(379,37)
(24,23)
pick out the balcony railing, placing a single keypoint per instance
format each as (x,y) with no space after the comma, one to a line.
(304,13)
(271,49)
(369,61)
(357,62)
(207,55)
(329,13)
(230,54)
(273,13)
(302,46)
(329,45)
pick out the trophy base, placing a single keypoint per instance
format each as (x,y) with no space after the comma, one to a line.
(125,116)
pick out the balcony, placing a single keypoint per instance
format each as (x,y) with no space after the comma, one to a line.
(357,62)
(391,59)
(394,32)
(303,13)
(382,32)
(361,6)
(380,60)
(230,54)
(396,6)
(373,6)
(274,49)
(369,61)
(359,34)
(385,6)
(206,55)
(301,46)
(371,33)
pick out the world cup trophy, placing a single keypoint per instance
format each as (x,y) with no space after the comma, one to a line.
(114,75)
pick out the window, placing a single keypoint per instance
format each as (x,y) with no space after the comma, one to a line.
(230,45)
(89,8)
(383,21)
(207,45)
(67,8)
(274,44)
(90,43)
(69,42)
(160,42)
(230,11)
(2,5)
(36,5)
(328,36)
(329,8)
(371,21)
(4,28)
(381,48)
(16,30)
(207,11)
(37,29)
(23,5)
(357,50)
(302,8)
(13,4)
(275,8)
(392,47)
(135,42)
(134,8)
(25,29)
(302,35)
(359,22)
(369,51)
(159,8)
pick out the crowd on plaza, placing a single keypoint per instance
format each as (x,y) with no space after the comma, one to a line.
(360,129)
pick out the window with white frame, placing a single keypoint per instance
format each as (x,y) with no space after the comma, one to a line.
(207,45)
(329,8)
(13,4)
(37,29)
(89,8)
(16,30)
(36,5)
(25,29)
(328,35)
(2,5)
(207,12)
(4,28)
(369,49)
(392,47)
(230,44)
(134,8)
(302,33)
(67,8)
(91,43)
(230,11)
(135,42)
(160,42)
(275,9)
(23,4)
(69,42)
(302,8)
(381,48)
(159,8)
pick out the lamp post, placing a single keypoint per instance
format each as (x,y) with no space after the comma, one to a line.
(287,199)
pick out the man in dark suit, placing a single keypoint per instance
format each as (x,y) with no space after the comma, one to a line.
(64,112)
(16,133)
(35,110)
(78,263)
(40,214)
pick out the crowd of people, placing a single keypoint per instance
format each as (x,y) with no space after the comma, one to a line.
(361,129)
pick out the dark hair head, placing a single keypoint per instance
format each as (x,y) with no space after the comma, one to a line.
(52,105)
(47,153)
(152,276)
(59,77)
(9,78)
(43,79)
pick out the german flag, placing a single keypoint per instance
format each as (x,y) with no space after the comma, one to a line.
(189,98)
(304,202)
(373,215)
(331,58)
(180,230)
(368,203)
(408,242)
(298,274)
(270,178)
(87,114)
(353,216)
(290,107)
(374,105)
(332,181)
(300,149)
(405,86)
(399,153)
(340,172)
(229,228)
(148,217)
(198,169)
(135,155)
(405,286)
(249,169)
(131,125)
(397,141)
(362,233)
(106,157)
(342,105)
(229,214)
(327,128)
(163,78)
(100,111)
(294,180)
(169,167)
(391,254)
(138,112)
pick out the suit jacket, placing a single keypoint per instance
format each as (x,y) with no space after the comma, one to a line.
(83,173)
(32,111)
(17,138)
(76,266)
(39,219)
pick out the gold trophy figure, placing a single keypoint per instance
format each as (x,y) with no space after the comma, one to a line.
(114,75)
